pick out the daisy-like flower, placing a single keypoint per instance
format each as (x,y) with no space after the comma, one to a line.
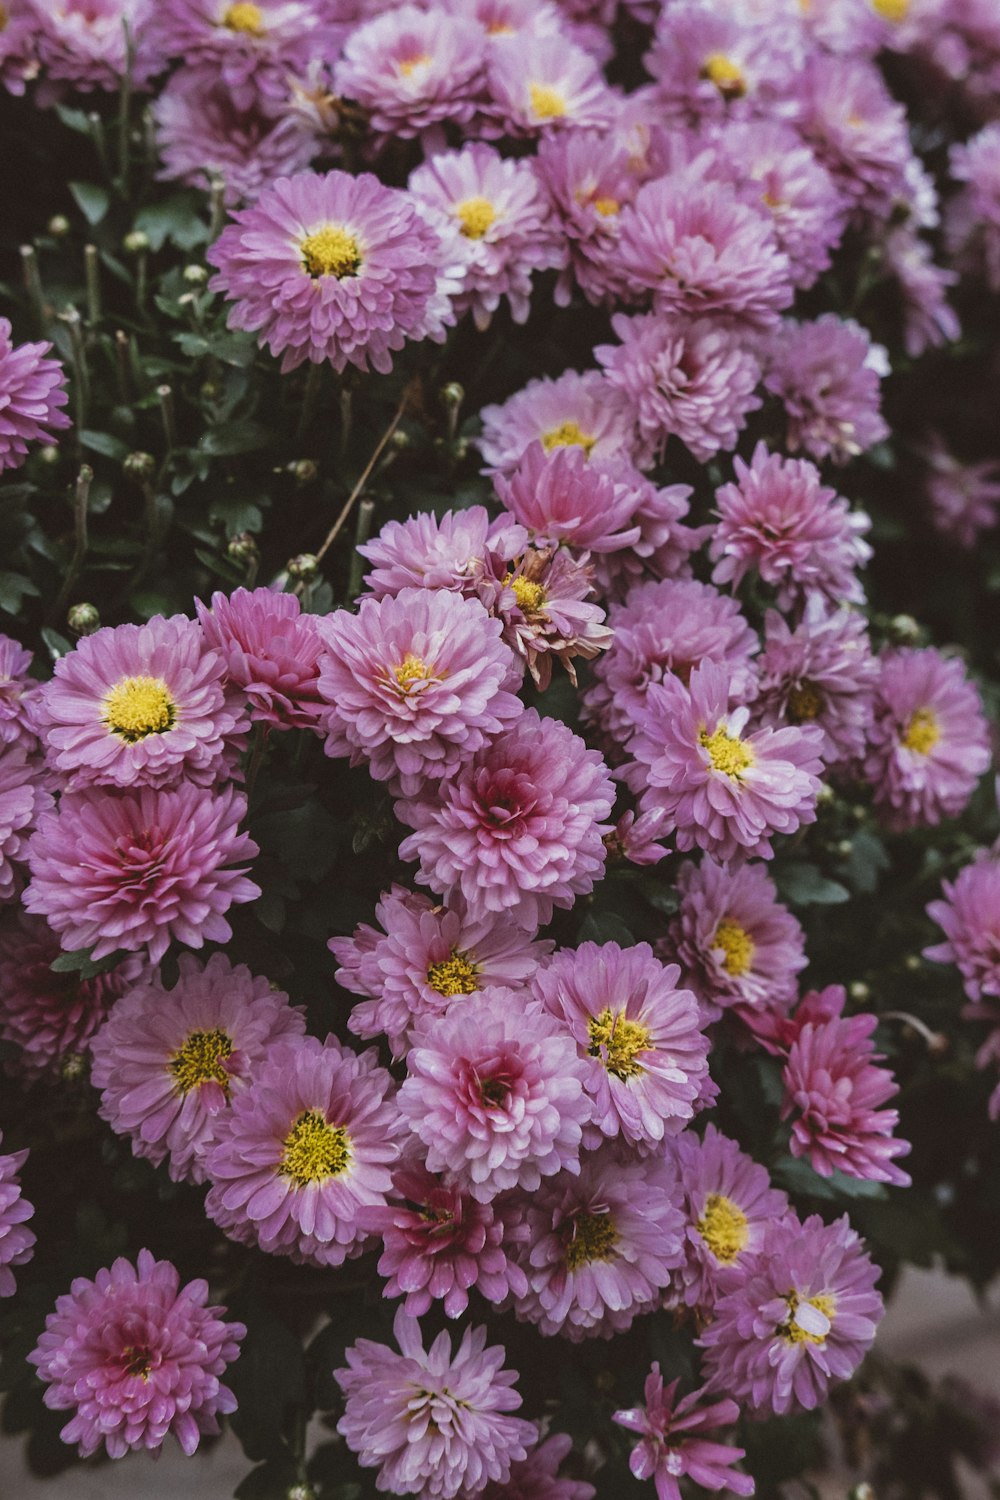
(32,395)
(536,1477)
(134,1356)
(827,374)
(638,1035)
(672,1442)
(969,916)
(496,1094)
(584,411)
(562,498)
(517,829)
(710,63)
(23,803)
(249,44)
(441,552)
(725,790)
(336,268)
(132,870)
(140,705)
(799,535)
(18,696)
(427,957)
(169,1061)
(858,130)
(298,1156)
(964,497)
(412,68)
(434,1422)
(589,176)
(271,652)
(539,84)
(16,1242)
(929,742)
(542,600)
(737,943)
(415,684)
(802,1318)
(90,44)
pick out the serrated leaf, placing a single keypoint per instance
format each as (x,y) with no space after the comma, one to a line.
(805,885)
(92,199)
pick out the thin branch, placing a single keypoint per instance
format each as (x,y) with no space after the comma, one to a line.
(366,474)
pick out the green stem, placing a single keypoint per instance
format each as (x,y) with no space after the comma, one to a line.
(81,498)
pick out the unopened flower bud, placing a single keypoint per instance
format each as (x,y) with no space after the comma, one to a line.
(49,454)
(301,1492)
(303,567)
(859,991)
(59,226)
(83,619)
(304,471)
(904,628)
(912,961)
(453,395)
(139,466)
(195,275)
(825,794)
(73,1067)
(242,547)
(844,848)
(399,440)
(135,243)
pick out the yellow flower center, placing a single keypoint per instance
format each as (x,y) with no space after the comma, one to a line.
(530,596)
(922,732)
(244,17)
(616,1041)
(138,706)
(594,1238)
(201,1059)
(724,1228)
(568,435)
(409,65)
(136,1361)
(804,702)
(738,946)
(314,1150)
(546,103)
(410,670)
(476,215)
(607,207)
(725,74)
(453,975)
(792,1331)
(728,755)
(499,28)
(331,251)
(891,10)
(4,17)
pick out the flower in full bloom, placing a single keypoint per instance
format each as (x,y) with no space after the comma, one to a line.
(91,44)
(271,652)
(16,1242)
(413,68)
(540,84)
(712,62)
(857,129)
(584,411)
(32,395)
(543,601)
(336,268)
(536,1477)
(964,497)
(518,828)
(18,696)
(441,552)
(140,705)
(802,1317)
(972,224)
(134,1356)
(496,1094)
(929,743)
(434,1422)
(23,803)
(301,1153)
(562,498)
(113,870)
(168,1061)
(969,916)
(589,176)
(672,1441)
(826,374)
(638,1034)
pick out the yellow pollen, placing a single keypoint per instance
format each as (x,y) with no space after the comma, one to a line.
(4,17)
(568,435)
(331,251)
(136,1361)
(724,1228)
(314,1150)
(476,215)
(823,1303)
(738,946)
(891,10)
(616,1041)
(410,670)
(453,975)
(138,706)
(200,1060)
(409,65)
(499,28)
(804,702)
(725,74)
(727,754)
(530,596)
(607,207)
(546,103)
(922,732)
(594,1238)
(244,17)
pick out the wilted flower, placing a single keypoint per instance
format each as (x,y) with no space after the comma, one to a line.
(672,1442)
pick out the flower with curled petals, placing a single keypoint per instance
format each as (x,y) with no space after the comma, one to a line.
(17,1243)
(32,395)
(672,1443)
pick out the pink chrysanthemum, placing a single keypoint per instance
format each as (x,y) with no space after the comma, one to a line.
(135,1356)
(18,696)
(536,1477)
(582,410)
(929,320)
(301,1153)
(672,1442)
(737,944)
(638,1035)
(798,534)
(413,68)
(540,84)
(562,498)
(664,547)
(496,1094)
(132,870)
(427,957)
(433,1422)
(18,46)
(858,130)
(713,63)
(271,652)
(802,1318)
(826,374)
(32,395)
(929,741)
(140,705)
(519,828)
(415,684)
(636,839)
(969,916)
(24,801)
(336,268)
(87,43)
(964,497)
(589,176)
(543,601)
(441,552)
(169,1061)
(972,223)
(16,1242)
(725,790)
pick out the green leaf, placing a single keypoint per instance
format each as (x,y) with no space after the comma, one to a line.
(13,587)
(305,840)
(177,219)
(57,644)
(233,438)
(604,927)
(106,443)
(866,861)
(798,1176)
(268,1380)
(92,200)
(271,1481)
(236,514)
(804,885)
(81,963)
(73,119)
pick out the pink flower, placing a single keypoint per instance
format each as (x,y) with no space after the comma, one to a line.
(827,375)
(271,652)
(441,552)
(542,600)
(635,839)
(672,1442)
(664,547)
(411,69)
(964,497)
(32,395)
(18,696)
(562,498)
(24,802)
(589,176)
(17,1243)
(85,43)
(859,132)
(969,916)
(716,63)
(575,410)
(539,84)
(535,1477)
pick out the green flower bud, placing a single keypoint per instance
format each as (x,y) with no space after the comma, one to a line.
(83,619)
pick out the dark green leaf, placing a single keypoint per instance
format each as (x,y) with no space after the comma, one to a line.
(13,587)
(804,885)
(604,927)
(271,1481)
(177,219)
(93,200)
(233,438)
(106,443)
(82,964)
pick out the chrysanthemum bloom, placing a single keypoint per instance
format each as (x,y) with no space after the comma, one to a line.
(710,65)
(32,395)
(336,268)
(972,222)
(87,43)
(134,1356)
(638,1035)
(501,20)
(588,176)
(117,870)
(271,652)
(574,410)
(427,957)
(24,801)
(602,1247)
(929,742)
(536,1477)
(518,829)
(827,374)
(542,600)
(16,1242)
(929,320)
(140,705)
(496,1094)
(18,46)
(432,1421)
(539,84)
(664,547)
(672,1442)
(18,696)
(440,1243)
(802,1318)
(964,497)
(776,1030)
(969,915)
(441,552)
(169,1061)
(51,1018)
(415,684)
(635,839)
(297,1156)
(798,534)
(413,68)
(563,498)
(737,943)
(859,131)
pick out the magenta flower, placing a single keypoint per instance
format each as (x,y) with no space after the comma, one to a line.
(24,801)
(664,547)
(434,1422)
(32,395)
(826,374)
(441,552)
(134,1356)
(113,870)
(271,652)
(536,1477)
(969,916)
(672,1442)
(584,411)
(539,84)
(589,176)
(85,44)
(858,130)
(248,46)
(542,600)
(635,839)
(412,68)
(964,497)
(18,696)
(17,1243)
(518,828)
(562,498)
(715,63)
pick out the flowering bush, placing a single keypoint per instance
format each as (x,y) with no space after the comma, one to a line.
(498,578)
